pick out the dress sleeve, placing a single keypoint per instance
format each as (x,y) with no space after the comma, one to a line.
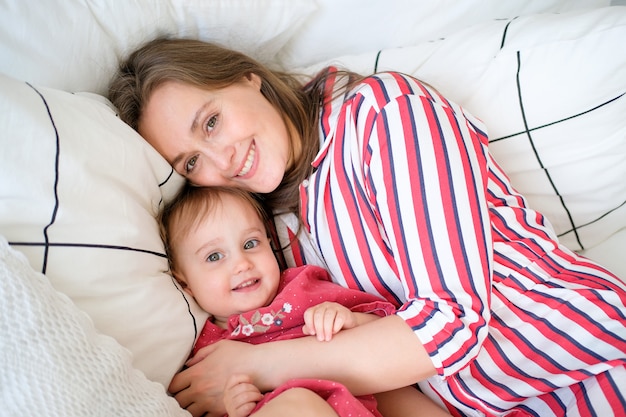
(425,163)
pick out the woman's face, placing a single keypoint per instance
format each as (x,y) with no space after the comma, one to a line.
(230,137)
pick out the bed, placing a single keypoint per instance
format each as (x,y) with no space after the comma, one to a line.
(92,324)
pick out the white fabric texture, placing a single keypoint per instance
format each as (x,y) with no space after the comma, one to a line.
(54,362)
(75,45)
(610,253)
(344,27)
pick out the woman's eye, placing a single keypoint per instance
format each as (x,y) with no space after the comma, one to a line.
(210,124)
(191,163)
(214,257)
(252,243)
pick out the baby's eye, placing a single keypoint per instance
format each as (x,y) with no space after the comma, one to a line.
(214,257)
(191,163)
(210,124)
(252,243)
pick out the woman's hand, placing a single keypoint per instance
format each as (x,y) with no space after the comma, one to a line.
(200,388)
(385,355)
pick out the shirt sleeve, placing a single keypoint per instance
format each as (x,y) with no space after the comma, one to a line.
(425,168)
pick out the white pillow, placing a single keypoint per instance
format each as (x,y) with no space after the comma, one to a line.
(610,253)
(53,361)
(79,191)
(572,83)
(343,27)
(75,45)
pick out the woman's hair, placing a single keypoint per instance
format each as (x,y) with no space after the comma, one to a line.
(210,66)
(191,205)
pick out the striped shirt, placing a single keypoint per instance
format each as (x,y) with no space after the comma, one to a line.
(407,203)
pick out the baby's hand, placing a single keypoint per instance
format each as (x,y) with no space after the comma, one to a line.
(326,319)
(240,396)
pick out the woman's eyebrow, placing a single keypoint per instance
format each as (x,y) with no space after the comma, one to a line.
(194,126)
(177,160)
(196,119)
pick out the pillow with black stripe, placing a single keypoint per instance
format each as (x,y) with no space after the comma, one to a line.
(79,191)
(553,98)
(551,89)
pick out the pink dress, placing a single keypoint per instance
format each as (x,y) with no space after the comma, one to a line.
(301,288)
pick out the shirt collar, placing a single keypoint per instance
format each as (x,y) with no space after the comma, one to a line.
(329,113)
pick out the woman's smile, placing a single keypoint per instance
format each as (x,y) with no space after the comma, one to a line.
(248,162)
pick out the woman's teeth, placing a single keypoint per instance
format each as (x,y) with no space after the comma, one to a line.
(249,160)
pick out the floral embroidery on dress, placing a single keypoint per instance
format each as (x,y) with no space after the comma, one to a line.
(261,323)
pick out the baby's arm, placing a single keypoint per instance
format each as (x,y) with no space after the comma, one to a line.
(240,396)
(327,318)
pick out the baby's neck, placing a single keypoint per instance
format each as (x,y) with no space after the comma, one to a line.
(221,322)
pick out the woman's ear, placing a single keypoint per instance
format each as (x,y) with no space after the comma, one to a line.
(254,79)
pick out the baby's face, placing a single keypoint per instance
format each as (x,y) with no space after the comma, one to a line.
(227,261)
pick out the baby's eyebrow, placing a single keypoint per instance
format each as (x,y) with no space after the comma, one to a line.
(208,244)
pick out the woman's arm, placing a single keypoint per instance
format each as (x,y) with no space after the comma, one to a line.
(368,358)
(426,177)
(362,358)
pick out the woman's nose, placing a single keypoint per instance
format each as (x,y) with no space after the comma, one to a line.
(222,157)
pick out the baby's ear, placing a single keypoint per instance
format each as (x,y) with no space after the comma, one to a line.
(181,281)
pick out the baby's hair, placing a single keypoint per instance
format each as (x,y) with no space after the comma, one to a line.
(191,205)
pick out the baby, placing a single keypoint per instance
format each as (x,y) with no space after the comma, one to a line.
(219,249)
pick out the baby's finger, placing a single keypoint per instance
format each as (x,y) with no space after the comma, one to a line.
(324,322)
(339,323)
(236,379)
(320,322)
(309,325)
(240,396)
(246,394)
(332,324)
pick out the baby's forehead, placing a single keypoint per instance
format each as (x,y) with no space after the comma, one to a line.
(242,201)
(232,208)
(205,208)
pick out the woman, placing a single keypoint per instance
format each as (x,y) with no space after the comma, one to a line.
(391,188)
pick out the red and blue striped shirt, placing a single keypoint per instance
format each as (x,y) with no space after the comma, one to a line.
(406,202)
